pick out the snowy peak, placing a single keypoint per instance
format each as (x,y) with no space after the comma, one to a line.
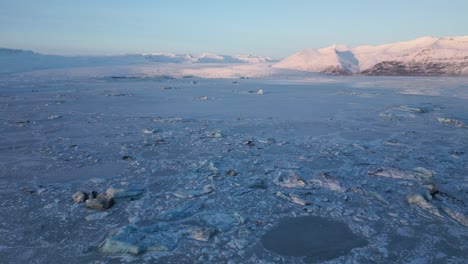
(332,60)
(423,56)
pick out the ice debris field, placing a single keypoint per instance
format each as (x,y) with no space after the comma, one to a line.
(194,170)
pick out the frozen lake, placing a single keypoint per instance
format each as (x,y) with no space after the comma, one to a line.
(223,162)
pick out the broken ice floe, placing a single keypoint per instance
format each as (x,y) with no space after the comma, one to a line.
(207,189)
(423,174)
(222,222)
(459,217)
(167,120)
(181,212)
(215,134)
(204,98)
(452,122)
(148,131)
(213,168)
(114,93)
(325,180)
(375,195)
(259,92)
(419,173)
(419,200)
(124,192)
(136,240)
(404,111)
(52,117)
(292,198)
(290,181)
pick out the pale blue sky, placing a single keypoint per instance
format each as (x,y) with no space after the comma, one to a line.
(262,27)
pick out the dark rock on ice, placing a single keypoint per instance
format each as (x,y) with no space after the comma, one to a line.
(129,158)
(80,197)
(93,194)
(433,189)
(249,143)
(22,122)
(232,173)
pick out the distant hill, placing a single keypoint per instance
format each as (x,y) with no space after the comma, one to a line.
(14,60)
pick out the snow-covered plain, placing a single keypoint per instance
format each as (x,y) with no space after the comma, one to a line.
(223,161)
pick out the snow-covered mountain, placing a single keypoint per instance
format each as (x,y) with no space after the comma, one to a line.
(14,60)
(426,56)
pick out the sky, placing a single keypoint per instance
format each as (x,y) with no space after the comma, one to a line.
(261,27)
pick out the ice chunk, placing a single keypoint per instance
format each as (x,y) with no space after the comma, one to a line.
(452,122)
(291,181)
(124,192)
(459,217)
(293,198)
(201,234)
(122,241)
(391,173)
(327,181)
(418,200)
(215,134)
(423,173)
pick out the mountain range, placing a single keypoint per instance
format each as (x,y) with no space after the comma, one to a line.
(428,56)
(17,60)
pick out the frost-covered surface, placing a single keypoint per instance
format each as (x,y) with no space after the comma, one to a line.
(221,164)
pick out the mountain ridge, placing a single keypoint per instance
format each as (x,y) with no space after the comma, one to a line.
(427,56)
